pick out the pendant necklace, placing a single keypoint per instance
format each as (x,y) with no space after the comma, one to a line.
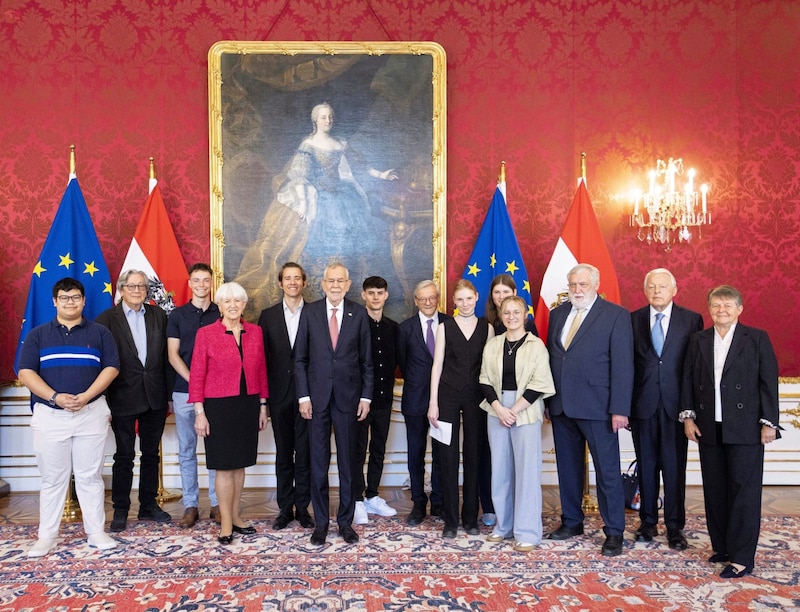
(510,347)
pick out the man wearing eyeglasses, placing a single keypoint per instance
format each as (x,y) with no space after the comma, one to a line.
(138,396)
(590,341)
(415,344)
(333,382)
(67,364)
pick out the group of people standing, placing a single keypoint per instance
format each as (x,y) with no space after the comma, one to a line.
(332,367)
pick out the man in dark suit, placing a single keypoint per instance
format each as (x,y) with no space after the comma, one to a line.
(415,345)
(292,465)
(138,396)
(591,357)
(333,381)
(729,401)
(661,333)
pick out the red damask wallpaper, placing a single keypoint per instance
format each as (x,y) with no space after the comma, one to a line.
(715,82)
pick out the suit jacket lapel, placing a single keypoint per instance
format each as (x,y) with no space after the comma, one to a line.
(587,321)
(127,334)
(737,342)
(707,349)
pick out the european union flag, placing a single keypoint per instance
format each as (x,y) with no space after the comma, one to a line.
(71,249)
(497,252)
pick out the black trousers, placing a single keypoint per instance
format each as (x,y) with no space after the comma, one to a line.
(151,427)
(292,461)
(661,447)
(732,477)
(455,405)
(373,432)
(417,427)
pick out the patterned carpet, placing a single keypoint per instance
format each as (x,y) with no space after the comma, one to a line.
(393,567)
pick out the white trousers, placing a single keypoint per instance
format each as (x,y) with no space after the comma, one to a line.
(71,442)
(516,477)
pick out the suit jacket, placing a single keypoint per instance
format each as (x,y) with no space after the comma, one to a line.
(594,376)
(657,380)
(217,363)
(415,364)
(749,385)
(317,366)
(139,388)
(279,353)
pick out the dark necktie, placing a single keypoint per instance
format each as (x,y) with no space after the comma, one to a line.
(429,339)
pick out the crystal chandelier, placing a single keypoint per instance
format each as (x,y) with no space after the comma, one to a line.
(667,211)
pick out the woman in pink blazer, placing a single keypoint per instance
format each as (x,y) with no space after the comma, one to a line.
(228,386)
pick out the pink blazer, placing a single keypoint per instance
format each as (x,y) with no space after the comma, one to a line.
(216,364)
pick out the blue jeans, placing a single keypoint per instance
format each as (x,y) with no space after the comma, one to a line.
(187,453)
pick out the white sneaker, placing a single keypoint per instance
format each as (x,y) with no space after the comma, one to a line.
(102,541)
(42,547)
(360,517)
(377,505)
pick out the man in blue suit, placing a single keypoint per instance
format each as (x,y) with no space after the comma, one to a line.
(333,377)
(661,333)
(591,357)
(415,345)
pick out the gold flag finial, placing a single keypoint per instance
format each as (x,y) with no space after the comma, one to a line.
(502,177)
(583,166)
(72,159)
(152,168)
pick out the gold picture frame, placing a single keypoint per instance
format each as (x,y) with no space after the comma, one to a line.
(368,190)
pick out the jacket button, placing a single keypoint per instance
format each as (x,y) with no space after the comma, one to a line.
(738,386)
(740,405)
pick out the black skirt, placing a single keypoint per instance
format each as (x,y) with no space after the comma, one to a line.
(233,440)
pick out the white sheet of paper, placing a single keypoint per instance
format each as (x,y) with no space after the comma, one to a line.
(443,433)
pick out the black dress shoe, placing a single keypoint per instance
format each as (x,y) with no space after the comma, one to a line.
(731,571)
(154,513)
(612,546)
(417,515)
(120,521)
(349,534)
(281,522)
(472,529)
(719,558)
(319,536)
(305,520)
(246,530)
(225,539)
(565,533)
(436,510)
(449,532)
(646,532)
(676,539)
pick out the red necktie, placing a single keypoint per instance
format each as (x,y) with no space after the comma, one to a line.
(333,326)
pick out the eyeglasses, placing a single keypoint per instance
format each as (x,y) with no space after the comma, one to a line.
(428,300)
(582,286)
(66,299)
(140,287)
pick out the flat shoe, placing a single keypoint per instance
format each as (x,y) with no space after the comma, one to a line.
(247,530)
(719,558)
(493,537)
(449,532)
(524,547)
(225,539)
(731,571)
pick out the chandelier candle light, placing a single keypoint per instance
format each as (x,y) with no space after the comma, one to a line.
(666,212)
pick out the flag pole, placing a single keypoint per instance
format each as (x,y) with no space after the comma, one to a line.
(589,503)
(72,509)
(164,495)
(502,177)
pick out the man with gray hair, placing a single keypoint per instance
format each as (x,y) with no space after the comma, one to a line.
(591,357)
(661,332)
(138,396)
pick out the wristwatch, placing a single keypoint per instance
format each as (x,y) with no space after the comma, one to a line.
(52,400)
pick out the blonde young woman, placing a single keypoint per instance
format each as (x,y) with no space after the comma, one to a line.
(456,395)
(515,379)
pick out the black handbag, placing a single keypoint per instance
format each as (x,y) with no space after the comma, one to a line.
(630,485)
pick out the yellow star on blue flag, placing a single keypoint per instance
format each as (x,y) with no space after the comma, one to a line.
(497,243)
(72,238)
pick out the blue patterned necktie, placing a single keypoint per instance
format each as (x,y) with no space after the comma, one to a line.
(657,332)
(429,341)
